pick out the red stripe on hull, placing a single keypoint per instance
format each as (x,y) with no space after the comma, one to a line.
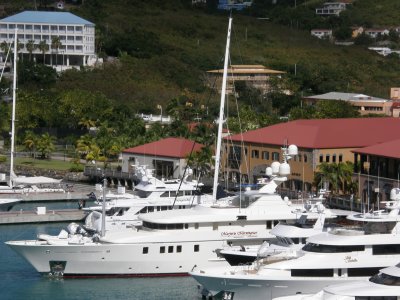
(124,275)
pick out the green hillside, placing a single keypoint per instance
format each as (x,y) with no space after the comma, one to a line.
(165,47)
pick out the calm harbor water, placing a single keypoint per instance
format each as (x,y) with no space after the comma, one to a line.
(19,280)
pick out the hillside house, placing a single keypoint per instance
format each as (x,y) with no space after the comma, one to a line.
(233,4)
(376,32)
(331,8)
(364,104)
(322,33)
(256,76)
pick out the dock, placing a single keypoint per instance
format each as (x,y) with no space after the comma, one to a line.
(42,216)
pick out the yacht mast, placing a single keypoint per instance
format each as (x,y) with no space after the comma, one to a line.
(12,174)
(221,112)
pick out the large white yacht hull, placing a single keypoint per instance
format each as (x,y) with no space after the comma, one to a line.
(258,288)
(96,259)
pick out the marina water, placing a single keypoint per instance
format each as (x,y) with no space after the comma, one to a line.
(19,280)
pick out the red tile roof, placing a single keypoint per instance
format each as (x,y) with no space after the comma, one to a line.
(326,133)
(169,147)
(388,149)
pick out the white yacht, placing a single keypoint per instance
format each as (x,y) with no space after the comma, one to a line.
(332,257)
(383,286)
(289,235)
(149,195)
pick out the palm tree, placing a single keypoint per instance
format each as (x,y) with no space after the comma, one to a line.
(84,144)
(31,46)
(43,47)
(87,123)
(56,44)
(4,46)
(45,145)
(30,142)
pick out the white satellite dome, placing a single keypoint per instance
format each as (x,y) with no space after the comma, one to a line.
(268,171)
(292,150)
(284,169)
(275,167)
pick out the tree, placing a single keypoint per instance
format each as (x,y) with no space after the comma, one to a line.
(342,33)
(56,45)
(31,46)
(30,142)
(338,175)
(45,145)
(43,47)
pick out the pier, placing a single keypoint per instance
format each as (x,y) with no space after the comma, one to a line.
(41,216)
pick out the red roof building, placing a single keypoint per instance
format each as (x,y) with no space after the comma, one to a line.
(166,156)
(319,141)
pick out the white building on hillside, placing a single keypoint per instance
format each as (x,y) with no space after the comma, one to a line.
(76,37)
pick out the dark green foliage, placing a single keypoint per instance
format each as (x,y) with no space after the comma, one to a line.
(33,74)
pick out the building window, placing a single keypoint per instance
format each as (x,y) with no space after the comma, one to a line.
(179,249)
(265,155)
(196,248)
(162,249)
(340,158)
(299,157)
(327,158)
(254,153)
(334,158)
(321,158)
(170,249)
(145,250)
(275,156)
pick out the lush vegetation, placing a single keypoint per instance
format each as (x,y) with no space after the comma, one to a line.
(156,54)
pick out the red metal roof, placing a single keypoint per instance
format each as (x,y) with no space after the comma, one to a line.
(326,133)
(169,147)
(388,149)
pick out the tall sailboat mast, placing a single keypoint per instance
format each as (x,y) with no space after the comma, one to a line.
(221,112)
(12,174)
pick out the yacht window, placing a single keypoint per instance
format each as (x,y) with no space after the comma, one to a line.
(215,226)
(269,223)
(356,272)
(180,193)
(312,273)
(143,210)
(164,195)
(172,194)
(196,225)
(310,247)
(150,208)
(145,250)
(158,208)
(162,249)
(164,207)
(385,249)
(385,279)
(196,248)
(170,249)
(296,240)
(276,222)
(186,226)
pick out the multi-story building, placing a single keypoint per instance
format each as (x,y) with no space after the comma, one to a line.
(76,37)
(319,141)
(364,104)
(331,8)
(256,76)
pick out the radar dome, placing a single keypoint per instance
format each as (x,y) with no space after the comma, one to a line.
(284,169)
(395,194)
(268,171)
(292,150)
(275,167)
